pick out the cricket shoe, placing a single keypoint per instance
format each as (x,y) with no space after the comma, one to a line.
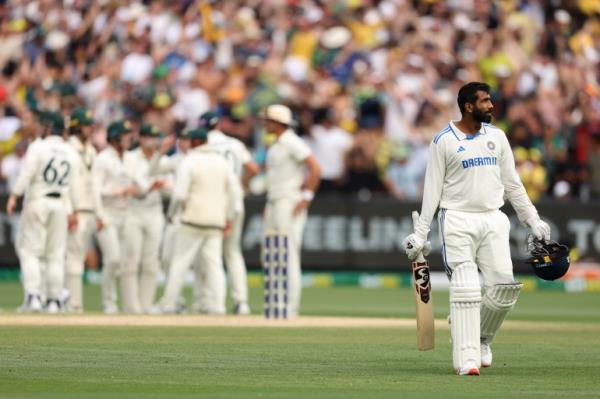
(242,309)
(110,309)
(65,297)
(53,306)
(32,304)
(180,306)
(486,355)
(470,368)
(158,310)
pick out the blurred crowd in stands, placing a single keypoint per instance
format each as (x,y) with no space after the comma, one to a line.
(370,82)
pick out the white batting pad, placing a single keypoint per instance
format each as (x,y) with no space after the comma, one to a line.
(497,302)
(465,300)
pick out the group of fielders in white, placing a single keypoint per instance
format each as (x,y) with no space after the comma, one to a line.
(70,193)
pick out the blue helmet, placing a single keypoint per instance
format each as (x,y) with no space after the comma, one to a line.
(549,259)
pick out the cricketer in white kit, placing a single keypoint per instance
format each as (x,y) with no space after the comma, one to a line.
(205,190)
(46,179)
(144,228)
(116,187)
(238,156)
(88,211)
(471,170)
(164,165)
(293,175)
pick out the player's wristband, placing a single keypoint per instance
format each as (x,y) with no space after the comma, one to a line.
(307,195)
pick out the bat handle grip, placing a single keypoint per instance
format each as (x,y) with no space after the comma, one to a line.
(420,258)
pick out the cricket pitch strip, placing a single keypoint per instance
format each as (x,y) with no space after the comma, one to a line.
(12,319)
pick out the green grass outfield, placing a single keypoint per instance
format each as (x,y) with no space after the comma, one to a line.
(557,358)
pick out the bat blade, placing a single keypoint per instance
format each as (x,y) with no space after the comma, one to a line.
(423,299)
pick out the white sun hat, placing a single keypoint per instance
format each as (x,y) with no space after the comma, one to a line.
(278,113)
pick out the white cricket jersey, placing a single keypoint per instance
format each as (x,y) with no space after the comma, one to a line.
(285,166)
(234,151)
(111,175)
(87,190)
(471,174)
(138,167)
(206,185)
(49,170)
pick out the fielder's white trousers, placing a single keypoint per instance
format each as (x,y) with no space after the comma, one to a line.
(235,264)
(143,232)
(111,244)
(42,236)
(77,244)
(203,247)
(279,217)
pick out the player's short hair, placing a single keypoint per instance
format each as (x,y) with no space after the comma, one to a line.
(468,93)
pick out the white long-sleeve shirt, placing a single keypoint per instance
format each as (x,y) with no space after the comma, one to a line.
(111,176)
(138,167)
(236,154)
(88,191)
(49,168)
(471,174)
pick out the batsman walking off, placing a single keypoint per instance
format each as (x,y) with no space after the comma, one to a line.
(470,171)
(289,191)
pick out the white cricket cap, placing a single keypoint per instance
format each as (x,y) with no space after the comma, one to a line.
(278,113)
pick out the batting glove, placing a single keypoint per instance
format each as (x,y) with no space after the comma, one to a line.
(539,229)
(413,245)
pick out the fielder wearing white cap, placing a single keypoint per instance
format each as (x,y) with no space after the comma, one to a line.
(293,175)
(470,171)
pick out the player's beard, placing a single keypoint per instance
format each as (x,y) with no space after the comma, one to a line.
(482,117)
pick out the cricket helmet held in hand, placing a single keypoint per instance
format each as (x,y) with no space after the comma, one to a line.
(549,259)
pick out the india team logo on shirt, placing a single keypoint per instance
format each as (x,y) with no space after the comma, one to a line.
(491,145)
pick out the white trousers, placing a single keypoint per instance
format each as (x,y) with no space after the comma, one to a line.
(77,244)
(235,265)
(41,241)
(480,238)
(111,244)
(143,233)
(279,217)
(472,240)
(203,247)
(234,260)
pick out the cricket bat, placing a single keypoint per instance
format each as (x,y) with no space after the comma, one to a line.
(422,282)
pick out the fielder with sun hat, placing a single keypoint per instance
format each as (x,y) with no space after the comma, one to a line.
(293,176)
